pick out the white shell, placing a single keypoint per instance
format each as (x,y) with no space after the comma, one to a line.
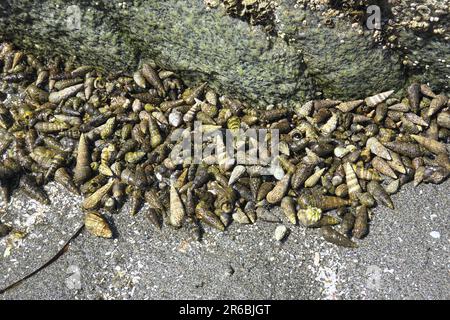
(337,180)
(341,152)
(378,98)
(139,79)
(211,97)
(175,118)
(277,172)
(160,117)
(137,105)
(257,170)
(210,160)
(330,125)
(237,172)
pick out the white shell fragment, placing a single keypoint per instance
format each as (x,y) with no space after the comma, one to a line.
(175,118)
(435,234)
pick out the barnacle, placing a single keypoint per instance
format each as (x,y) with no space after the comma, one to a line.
(255,12)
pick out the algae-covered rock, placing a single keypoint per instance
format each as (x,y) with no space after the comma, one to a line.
(186,36)
(420,30)
(427,59)
(343,60)
(287,55)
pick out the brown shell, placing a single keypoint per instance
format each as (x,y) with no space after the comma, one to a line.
(96,224)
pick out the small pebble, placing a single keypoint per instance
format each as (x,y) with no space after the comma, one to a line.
(316,259)
(280,232)
(435,234)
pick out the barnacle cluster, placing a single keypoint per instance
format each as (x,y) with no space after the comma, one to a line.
(110,138)
(255,12)
(421,15)
(355,9)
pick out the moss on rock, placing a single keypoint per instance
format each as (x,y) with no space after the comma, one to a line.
(306,57)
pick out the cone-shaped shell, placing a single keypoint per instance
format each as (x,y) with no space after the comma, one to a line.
(380,195)
(427,91)
(378,98)
(314,178)
(97,225)
(279,190)
(237,172)
(139,79)
(58,96)
(94,199)
(411,150)
(153,78)
(208,217)
(333,236)
(177,211)
(383,167)
(432,145)
(319,104)
(349,105)
(352,181)
(361,228)
(62,177)
(377,148)
(436,105)
(82,171)
(414,96)
(288,207)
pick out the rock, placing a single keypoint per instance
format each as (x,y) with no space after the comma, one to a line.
(280,232)
(340,57)
(422,33)
(289,55)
